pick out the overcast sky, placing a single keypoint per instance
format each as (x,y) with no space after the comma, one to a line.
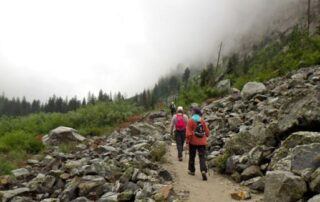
(70,47)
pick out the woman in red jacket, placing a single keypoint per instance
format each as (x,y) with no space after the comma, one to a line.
(197,134)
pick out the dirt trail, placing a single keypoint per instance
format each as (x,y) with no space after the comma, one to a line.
(217,189)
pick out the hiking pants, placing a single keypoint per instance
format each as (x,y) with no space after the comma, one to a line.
(180,138)
(192,155)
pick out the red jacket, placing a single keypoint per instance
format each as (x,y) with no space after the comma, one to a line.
(191,138)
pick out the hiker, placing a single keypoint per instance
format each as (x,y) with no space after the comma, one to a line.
(172,108)
(178,124)
(197,135)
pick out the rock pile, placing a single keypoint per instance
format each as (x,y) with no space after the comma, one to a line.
(268,135)
(119,167)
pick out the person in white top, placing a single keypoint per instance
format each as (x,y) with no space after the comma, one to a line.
(178,127)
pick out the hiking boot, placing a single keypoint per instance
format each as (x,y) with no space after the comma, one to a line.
(180,158)
(191,173)
(204,176)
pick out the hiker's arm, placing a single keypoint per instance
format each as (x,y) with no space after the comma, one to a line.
(172,124)
(189,131)
(185,118)
(206,129)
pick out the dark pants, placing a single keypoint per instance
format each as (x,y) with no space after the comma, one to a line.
(192,155)
(180,138)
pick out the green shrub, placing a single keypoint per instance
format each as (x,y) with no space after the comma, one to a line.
(221,162)
(20,141)
(67,147)
(6,167)
(158,152)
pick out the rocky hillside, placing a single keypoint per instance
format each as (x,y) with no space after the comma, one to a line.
(268,136)
(122,167)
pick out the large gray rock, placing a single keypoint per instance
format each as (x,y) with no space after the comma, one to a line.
(7,195)
(61,135)
(89,183)
(42,183)
(81,199)
(315,199)
(224,86)
(252,88)
(231,163)
(23,199)
(109,197)
(251,172)
(257,183)
(300,160)
(315,181)
(70,192)
(21,173)
(283,186)
(295,139)
(301,109)
(305,157)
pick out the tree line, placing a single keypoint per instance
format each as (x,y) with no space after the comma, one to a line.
(21,107)
(164,88)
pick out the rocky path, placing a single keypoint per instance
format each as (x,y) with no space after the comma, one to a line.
(191,188)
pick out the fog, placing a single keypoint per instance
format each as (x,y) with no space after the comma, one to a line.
(70,47)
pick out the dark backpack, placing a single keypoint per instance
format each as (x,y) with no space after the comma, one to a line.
(199,131)
(180,124)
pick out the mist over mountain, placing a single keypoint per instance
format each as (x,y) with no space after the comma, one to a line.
(69,48)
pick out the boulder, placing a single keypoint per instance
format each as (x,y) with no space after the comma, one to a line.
(125,196)
(23,199)
(50,200)
(81,199)
(224,85)
(300,159)
(283,186)
(305,157)
(109,197)
(257,183)
(89,183)
(251,172)
(315,199)
(315,181)
(7,195)
(252,88)
(70,191)
(259,153)
(299,110)
(42,183)
(231,164)
(21,173)
(61,135)
(295,139)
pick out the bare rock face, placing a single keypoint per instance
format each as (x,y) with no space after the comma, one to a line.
(61,135)
(282,186)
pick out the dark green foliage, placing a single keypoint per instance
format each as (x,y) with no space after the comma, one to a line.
(186,76)
(221,162)
(15,107)
(20,141)
(208,76)
(275,58)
